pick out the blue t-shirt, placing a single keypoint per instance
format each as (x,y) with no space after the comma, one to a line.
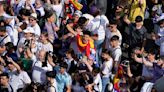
(63,80)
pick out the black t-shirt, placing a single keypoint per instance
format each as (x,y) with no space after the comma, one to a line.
(136,36)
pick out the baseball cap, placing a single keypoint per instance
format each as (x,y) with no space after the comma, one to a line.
(138,19)
(29,30)
(34,15)
(78,13)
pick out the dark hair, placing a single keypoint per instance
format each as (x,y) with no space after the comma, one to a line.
(114,38)
(138,19)
(87,33)
(5,74)
(25,12)
(106,51)
(2,29)
(51,74)
(96,70)
(78,26)
(70,51)
(113,22)
(49,14)
(63,64)
(162,57)
(9,46)
(151,51)
(45,33)
(82,21)
(69,21)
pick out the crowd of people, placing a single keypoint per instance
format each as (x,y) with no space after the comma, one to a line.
(81,45)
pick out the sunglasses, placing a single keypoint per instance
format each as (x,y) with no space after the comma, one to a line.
(31,20)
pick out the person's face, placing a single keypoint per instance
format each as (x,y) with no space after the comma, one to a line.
(43,38)
(41,55)
(90,61)
(76,18)
(28,35)
(48,79)
(139,23)
(113,43)
(1,7)
(32,21)
(85,38)
(68,55)
(150,57)
(34,88)
(52,18)
(3,80)
(62,70)
(2,34)
(161,25)
(119,8)
(37,3)
(104,55)
(161,63)
(11,67)
(112,27)
(78,29)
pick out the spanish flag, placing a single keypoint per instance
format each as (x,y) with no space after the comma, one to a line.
(76,4)
(85,47)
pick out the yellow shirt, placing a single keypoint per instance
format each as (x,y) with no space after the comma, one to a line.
(136,10)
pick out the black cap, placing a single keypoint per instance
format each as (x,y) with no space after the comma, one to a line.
(138,19)
(51,74)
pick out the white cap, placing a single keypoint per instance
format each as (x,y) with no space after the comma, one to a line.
(29,30)
(78,13)
(33,15)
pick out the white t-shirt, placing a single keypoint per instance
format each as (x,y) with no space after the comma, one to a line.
(116,53)
(109,35)
(97,80)
(59,10)
(90,18)
(160,42)
(98,26)
(41,10)
(37,29)
(39,72)
(107,67)
(46,47)
(5,39)
(13,33)
(19,80)
(52,87)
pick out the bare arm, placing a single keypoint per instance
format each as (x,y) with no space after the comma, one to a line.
(71,30)
(15,64)
(68,88)
(126,20)
(147,63)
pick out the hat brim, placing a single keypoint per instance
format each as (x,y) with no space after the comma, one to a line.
(34,18)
